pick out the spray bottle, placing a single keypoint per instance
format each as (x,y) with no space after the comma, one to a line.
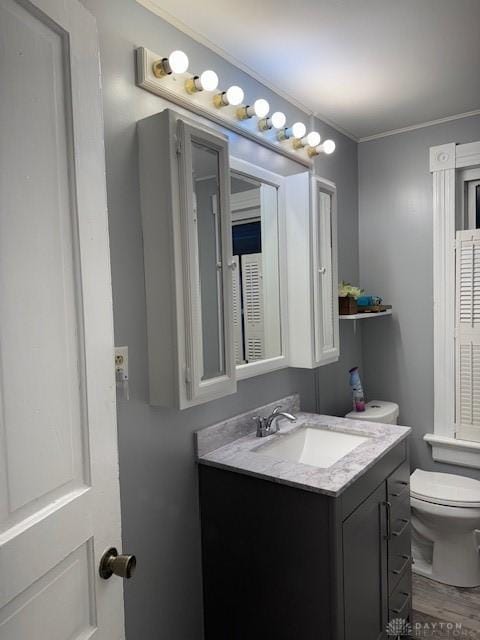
(357,390)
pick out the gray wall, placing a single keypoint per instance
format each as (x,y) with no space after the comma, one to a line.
(157,471)
(396,253)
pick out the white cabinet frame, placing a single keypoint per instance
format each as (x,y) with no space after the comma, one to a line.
(172,269)
(250,170)
(445,162)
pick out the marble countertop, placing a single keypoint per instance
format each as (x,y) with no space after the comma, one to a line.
(243,453)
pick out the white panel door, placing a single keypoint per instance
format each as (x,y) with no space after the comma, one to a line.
(59,493)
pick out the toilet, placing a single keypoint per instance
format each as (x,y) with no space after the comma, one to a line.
(377,411)
(446,527)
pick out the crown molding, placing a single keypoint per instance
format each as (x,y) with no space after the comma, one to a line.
(412,127)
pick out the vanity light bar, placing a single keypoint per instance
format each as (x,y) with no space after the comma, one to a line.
(177,63)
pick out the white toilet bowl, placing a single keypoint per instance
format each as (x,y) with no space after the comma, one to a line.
(446,527)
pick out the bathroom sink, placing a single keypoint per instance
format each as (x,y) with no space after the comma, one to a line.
(312,445)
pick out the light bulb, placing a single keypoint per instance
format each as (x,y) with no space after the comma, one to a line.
(209,80)
(328,146)
(234,95)
(298,130)
(178,62)
(278,119)
(313,139)
(261,108)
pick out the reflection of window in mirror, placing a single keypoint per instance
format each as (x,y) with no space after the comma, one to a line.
(256,282)
(473,204)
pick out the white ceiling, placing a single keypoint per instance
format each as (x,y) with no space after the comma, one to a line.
(367,66)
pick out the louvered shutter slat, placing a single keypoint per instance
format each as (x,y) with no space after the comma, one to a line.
(467,404)
(253,312)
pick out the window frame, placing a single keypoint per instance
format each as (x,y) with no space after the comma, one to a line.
(447,164)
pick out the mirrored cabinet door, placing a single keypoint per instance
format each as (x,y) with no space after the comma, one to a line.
(205,212)
(325,270)
(259,292)
(312,270)
(185,198)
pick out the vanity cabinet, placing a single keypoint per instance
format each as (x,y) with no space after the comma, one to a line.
(282,562)
(311,219)
(185,202)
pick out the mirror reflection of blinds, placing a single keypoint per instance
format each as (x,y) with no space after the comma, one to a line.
(237,313)
(467,339)
(253,306)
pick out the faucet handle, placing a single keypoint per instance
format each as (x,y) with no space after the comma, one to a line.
(260,424)
(276,409)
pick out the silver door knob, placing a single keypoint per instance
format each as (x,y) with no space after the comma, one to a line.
(120,565)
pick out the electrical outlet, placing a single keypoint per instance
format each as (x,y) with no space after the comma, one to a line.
(121,364)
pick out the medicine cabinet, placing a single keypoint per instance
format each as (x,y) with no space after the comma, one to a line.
(240,264)
(311,220)
(185,201)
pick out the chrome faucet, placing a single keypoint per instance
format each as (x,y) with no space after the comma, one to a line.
(268,426)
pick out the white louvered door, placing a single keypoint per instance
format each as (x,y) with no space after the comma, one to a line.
(467,348)
(253,314)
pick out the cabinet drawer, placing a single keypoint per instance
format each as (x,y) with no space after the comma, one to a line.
(398,484)
(400,600)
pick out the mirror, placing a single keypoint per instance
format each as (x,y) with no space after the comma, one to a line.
(205,168)
(256,277)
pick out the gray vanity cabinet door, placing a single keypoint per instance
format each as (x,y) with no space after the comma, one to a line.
(365,569)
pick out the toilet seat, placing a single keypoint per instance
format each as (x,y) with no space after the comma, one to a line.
(445,489)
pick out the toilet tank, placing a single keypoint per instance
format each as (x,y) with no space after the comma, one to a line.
(377,411)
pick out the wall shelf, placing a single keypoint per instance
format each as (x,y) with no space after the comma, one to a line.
(366,316)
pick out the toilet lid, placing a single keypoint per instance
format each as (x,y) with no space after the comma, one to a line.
(445,488)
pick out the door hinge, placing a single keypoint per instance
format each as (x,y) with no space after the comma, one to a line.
(188,375)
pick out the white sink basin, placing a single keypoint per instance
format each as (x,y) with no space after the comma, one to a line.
(311,445)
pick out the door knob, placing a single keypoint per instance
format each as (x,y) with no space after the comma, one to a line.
(120,565)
